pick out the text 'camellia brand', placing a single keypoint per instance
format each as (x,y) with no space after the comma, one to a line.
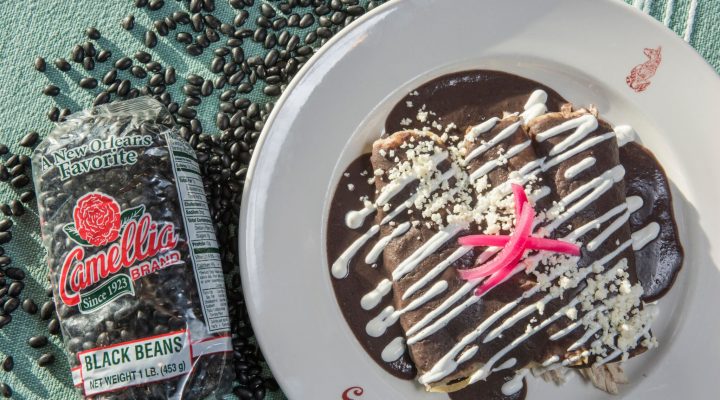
(144,247)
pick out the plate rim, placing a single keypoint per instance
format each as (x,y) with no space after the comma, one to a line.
(318,56)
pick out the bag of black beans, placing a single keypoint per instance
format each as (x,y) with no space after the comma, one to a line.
(134,261)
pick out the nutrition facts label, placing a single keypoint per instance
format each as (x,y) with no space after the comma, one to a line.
(201,235)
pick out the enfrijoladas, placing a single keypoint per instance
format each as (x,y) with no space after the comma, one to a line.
(445,174)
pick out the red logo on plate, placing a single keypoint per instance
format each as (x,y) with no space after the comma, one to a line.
(639,78)
(356,391)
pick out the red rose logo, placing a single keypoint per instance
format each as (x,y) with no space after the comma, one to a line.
(97,218)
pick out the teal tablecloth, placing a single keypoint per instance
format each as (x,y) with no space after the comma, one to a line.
(51,27)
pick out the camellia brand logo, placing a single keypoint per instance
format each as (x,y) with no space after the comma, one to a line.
(144,247)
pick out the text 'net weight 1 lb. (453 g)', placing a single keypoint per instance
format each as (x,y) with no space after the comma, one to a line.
(134,261)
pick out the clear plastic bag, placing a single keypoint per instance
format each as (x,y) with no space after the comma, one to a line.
(134,262)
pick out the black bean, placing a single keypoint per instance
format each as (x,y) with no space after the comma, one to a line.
(207,88)
(14,272)
(8,364)
(238,55)
(5,390)
(46,359)
(227,29)
(128,23)
(259,34)
(272,90)
(225,96)
(3,149)
(110,77)
(101,98)
(181,17)
(194,50)
(245,87)
(306,20)
(222,121)
(155,5)
(293,20)
(270,41)
(11,304)
(195,80)
(184,37)
(220,82)
(161,27)
(241,17)
(267,10)
(197,22)
(29,139)
(51,90)
(47,310)
(27,196)
(20,181)
(337,17)
(279,23)
(170,76)
(217,64)
(123,63)
(40,64)
(38,341)
(143,56)
(88,83)
(5,208)
(271,58)
(54,326)
(202,40)
(192,101)
(124,88)
(150,39)
(16,206)
(77,53)
(92,33)
(170,23)
(324,32)
(138,72)
(187,112)
(88,63)
(221,51)
(62,64)
(212,35)
(103,56)
(17,170)
(234,42)
(153,66)
(4,320)
(157,80)
(236,78)
(5,224)
(211,21)
(29,306)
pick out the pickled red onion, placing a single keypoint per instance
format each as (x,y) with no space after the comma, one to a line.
(511,253)
(534,243)
(513,246)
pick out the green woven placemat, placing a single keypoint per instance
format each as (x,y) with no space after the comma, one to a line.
(51,27)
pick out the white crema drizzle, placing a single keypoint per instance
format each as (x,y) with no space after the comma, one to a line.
(574,202)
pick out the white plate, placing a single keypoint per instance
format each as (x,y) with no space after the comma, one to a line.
(336,106)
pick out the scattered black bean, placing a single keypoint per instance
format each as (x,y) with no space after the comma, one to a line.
(128,23)
(88,63)
(123,63)
(40,64)
(46,359)
(47,310)
(88,83)
(5,390)
(51,90)
(54,326)
(150,39)
(103,56)
(29,306)
(62,64)
(8,364)
(29,139)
